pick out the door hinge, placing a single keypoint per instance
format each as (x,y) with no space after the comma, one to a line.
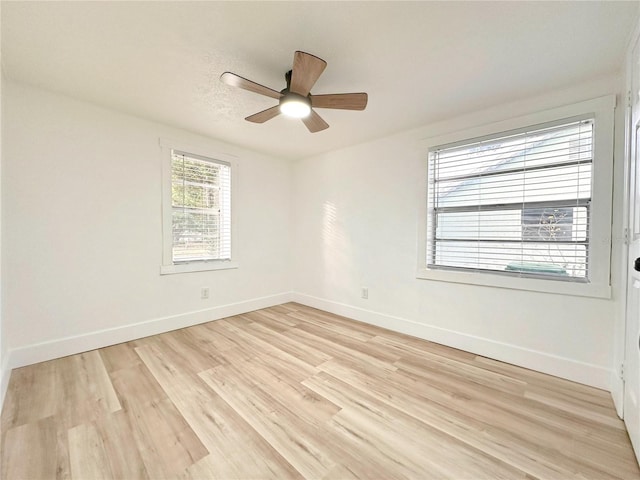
(629,98)
(621,371)
(625,236)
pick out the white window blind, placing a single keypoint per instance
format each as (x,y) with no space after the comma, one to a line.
(516,203)
(201,208)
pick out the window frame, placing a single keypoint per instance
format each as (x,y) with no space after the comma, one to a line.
(168,266)
(506,205)
(602,109)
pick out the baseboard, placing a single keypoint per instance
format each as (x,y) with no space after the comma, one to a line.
(617,392)
(5,374)
(62,347)
(581,372)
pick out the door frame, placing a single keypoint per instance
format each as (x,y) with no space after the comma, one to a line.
(617,383)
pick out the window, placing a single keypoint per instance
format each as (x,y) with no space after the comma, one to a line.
(517,204)
(197,212)
(523,203)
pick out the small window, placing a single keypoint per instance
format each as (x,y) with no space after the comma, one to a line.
(515,203)
(201,208)
(197,213)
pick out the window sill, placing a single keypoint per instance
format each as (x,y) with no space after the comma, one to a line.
(197,267)
(517,283)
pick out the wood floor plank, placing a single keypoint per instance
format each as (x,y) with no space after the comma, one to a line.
(511,403)
(335,328)
(236,451)
(275,321)
(284,308)
(84,391)
(307,354)
(35,450)
(354,326)
(306,416)
(351,343)
(119,356)
(33,395)
(336,350)
(76,388)
(92,374)
(466,371)
(235,347)
(115,431)
(166,443)
(192,352)
(296,441)
(292,392)
(253,344)
(87,453)
(387,429)
(540,381)
(519,425)
(416,400)
(592,412)
(136,385)
(210,333)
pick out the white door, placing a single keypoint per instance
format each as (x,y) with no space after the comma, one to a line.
(632,347)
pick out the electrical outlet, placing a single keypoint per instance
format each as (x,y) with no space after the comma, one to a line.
(204,292)
(365,292)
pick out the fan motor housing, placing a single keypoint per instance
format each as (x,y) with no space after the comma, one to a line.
(294,105)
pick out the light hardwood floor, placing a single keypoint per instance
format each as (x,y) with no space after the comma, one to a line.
(294,392)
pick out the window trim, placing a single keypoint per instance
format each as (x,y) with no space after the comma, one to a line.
(167,266)
(602,109)
(504,205)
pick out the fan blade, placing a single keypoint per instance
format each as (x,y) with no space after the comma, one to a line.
(314,122)
(306,70)
(237,81)
(344,101)
(264,115)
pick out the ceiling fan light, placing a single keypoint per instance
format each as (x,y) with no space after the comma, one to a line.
(295,106)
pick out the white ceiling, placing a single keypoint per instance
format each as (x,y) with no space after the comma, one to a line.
(419,61)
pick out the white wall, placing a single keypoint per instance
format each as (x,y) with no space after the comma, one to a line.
(356,224)
(81,188)
(81,240)
(4,369)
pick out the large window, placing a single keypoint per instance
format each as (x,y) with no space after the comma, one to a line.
(523,203)
(517,203)
(197,212)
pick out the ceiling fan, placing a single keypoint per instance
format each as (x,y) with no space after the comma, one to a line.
(296,100)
